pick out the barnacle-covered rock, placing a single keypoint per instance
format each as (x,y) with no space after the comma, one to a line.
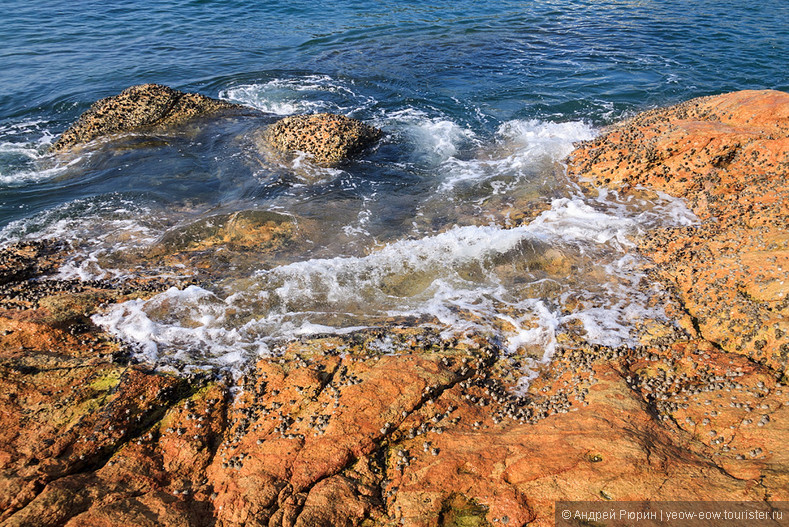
(329,138)
(136,107)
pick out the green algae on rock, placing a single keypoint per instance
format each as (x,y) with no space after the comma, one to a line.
(137,107)
(329,138)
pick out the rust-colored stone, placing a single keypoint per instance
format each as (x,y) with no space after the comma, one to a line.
(728,156)
(328,138)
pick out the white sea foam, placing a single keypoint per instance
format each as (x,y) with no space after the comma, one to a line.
(660,210)
(574,220)
(453,276)
(359,227)
(554,140)
(435,139)
(308,94)
(96,229)
(520,148)
(269,97)
(23,154)
(30,175)
(459,156)
(303,167)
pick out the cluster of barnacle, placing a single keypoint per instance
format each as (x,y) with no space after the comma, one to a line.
(330,138)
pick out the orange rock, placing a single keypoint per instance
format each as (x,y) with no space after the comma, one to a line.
(727,156)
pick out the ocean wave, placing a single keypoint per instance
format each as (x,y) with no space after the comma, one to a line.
(24,155)
(458,277)
(434,139)
(299,95)
(520,147)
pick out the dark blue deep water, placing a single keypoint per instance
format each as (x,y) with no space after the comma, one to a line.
(480,102)
(476,63)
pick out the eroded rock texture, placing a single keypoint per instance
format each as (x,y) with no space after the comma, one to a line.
(728,156)
(137,107)
(328,138)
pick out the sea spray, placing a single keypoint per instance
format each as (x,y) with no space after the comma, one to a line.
(461,279)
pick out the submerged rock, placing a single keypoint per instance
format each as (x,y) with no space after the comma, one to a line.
(136,107)
(329,138)
(238,230)
(227,245)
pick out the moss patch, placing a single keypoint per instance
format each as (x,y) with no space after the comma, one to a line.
(460,511)
(108,381)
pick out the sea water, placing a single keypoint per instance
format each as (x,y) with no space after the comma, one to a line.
(462,217)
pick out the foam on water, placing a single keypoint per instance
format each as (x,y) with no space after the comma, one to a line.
(573,220)
(519,148)
(23,153)
(543,138)
(654,209)
(299,95)
(95,229)
(302,167)
(435,139)
(461,278)
(458,277)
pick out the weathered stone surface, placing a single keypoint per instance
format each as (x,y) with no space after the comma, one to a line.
(334,432)
(237,231)
(728,156)
(136,107)
(419,438)
(25,260)
(328,138)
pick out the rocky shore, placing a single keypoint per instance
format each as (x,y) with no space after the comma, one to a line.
(334,433)
(329,139)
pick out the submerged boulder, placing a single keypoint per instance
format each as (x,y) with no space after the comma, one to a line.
(136,107)
(243,230)
(329,138)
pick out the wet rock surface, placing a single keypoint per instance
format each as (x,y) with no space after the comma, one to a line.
(399,425)
(27,260)
(729,157)
(237,240)
(329,138)
(136,107)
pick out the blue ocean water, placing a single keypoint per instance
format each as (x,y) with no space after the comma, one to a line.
(481,64)
(479,100)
